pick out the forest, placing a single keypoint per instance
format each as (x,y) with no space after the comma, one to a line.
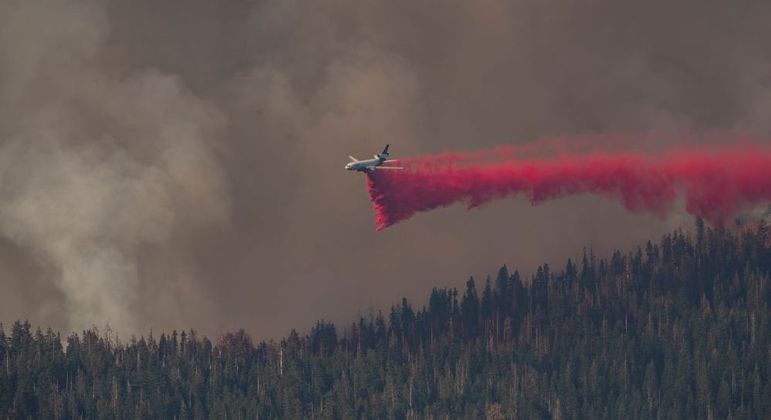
(677,328)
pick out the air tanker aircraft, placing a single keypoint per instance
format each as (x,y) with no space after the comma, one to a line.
(370,165)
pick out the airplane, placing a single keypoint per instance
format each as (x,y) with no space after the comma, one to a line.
(370,165)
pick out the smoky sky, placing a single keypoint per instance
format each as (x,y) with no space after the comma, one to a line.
(179,164)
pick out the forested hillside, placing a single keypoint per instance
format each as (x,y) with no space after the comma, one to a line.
(674,329)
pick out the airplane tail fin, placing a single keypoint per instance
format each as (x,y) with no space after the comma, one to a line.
(384,154)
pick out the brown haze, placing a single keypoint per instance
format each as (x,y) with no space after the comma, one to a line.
(177,164)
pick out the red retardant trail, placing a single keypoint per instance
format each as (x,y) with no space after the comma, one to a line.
(716,184)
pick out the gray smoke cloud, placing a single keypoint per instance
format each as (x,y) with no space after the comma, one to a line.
(95,166)
(178,164)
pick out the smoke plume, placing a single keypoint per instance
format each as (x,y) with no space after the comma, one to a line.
(159,160)
(716,184)
(97,169)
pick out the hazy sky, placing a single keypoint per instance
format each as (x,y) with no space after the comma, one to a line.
(179,164)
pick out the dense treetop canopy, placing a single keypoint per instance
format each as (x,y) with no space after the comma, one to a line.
(679,329)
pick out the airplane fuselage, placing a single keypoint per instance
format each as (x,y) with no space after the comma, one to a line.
(368,165)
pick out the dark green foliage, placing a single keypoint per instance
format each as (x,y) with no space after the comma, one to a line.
(678,329)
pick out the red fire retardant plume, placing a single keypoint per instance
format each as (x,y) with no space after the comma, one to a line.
(715,184)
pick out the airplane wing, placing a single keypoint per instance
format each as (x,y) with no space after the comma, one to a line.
(388,167)
(353,159)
